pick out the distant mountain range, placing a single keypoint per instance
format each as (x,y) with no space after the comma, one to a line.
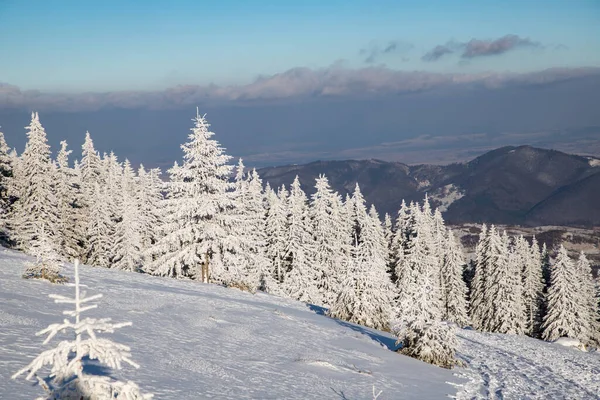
(511,185)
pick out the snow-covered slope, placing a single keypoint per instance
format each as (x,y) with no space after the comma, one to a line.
(197,341)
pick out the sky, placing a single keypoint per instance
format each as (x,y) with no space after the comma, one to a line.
(148,45)
(287,81)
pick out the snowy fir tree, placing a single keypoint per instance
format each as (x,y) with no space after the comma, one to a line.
(68,378)
(112,178)
(533,284)
(419,300)
(47,263)
(508,312)
(366,291)
(331,239)
(405,224)
(565,306)
(276,229)
(196,223)
(67,193)
(128,246)
(302,277)
(36,209)
(99,229)
(435,343)
(249,267)
(454,289)
(90,170)
(149,197)
(6,174)
(587,290)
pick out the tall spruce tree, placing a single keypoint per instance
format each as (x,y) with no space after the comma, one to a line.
(196,221)
(454,296)
(36,209)
(276,231)
(331,238)
(533,284)
(128,245)
(366,291)
(302,277)
(69,218)
(565,307)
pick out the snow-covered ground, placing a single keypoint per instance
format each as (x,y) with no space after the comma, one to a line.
(203,341)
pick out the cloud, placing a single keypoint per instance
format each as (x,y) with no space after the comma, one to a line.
(479,48)
(374,52)
(436,53)
(296,83)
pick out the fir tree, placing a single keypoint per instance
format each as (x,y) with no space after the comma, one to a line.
(330,237)
(508,312)
(563,318)
(589,305)
(6,174)
(150,202)
(66,188)
(276,232)
(36,209)
(533,284)
(301,279)
(196,223)
(249,265)
(454,300)
(67,378)
(418,285)
(366,293)
(47,264)
(127,252)
(99,229)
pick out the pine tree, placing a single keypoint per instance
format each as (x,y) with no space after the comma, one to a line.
(196,221)
(69,228)
(250,268)
(112,178)
(128,247)
(6,174)
(454,296)
(480,300)
(366,291)
(301,279)
(505,285)
(418,284)
(330,237)
(533,285)
(563,318)
(589,305)
(276,232)
(434,343)
(47,264)
(151,205)
(99,229)
(36,209)
(388,233)
(405,228)
(67,379)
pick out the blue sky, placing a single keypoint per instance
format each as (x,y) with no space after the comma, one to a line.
(75,46)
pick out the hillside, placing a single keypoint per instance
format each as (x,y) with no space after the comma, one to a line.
(205,341)
(510,185)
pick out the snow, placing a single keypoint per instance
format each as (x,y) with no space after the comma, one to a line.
(195,340)
(568,342)
(519,367)
(594,162)
(446,195)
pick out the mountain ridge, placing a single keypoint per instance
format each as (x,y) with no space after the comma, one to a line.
(515,185)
